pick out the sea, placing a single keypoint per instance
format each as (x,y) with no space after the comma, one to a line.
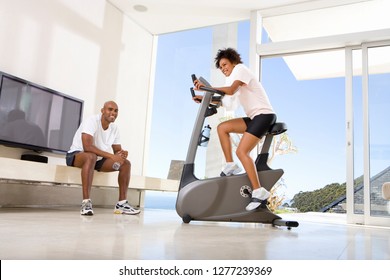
(160,200)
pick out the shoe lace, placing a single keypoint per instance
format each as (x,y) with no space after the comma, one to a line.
(87,205)
(124,204)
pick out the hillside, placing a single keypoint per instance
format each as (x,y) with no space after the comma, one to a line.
(314,201)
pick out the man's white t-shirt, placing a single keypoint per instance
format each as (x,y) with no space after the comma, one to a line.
(102,139)
(251,95)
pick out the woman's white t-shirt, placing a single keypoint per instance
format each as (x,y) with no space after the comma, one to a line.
(251,94)
(102,139)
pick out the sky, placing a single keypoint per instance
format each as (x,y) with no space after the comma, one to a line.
(314,111)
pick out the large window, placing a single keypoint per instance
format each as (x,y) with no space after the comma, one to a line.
(378,107)
(311,101)
(179,55)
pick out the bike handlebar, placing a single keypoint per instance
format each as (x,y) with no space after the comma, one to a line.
(206,88)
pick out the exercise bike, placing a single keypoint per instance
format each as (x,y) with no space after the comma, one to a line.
(225,198)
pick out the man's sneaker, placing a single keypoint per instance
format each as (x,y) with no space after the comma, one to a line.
(125,208)
(231,169)
(257,198)
(86,208)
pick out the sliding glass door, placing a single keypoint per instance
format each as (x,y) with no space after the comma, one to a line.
(368,132)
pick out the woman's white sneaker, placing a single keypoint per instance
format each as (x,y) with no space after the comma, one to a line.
(231,169)
(258,196)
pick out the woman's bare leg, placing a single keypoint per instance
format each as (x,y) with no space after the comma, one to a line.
(224,129)
(247,144)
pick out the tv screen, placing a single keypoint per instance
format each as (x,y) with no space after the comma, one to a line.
(36,118)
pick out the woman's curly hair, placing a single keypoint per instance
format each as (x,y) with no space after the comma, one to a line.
(230,54)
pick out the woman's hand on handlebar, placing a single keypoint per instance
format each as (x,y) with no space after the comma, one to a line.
(197,98)
(198,84)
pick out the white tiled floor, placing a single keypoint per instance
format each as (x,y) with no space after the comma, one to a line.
(61,233)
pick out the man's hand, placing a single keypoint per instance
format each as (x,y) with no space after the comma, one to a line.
(123,154)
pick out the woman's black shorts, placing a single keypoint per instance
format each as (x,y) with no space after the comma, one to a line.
(260,124)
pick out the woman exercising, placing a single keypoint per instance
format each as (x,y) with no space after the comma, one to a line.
(260,117)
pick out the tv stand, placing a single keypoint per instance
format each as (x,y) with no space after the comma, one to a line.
(27,183)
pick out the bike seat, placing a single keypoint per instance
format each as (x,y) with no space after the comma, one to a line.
(277,128)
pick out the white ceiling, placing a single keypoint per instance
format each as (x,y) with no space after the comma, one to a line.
(166,16)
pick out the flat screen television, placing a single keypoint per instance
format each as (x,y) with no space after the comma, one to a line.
(36,118)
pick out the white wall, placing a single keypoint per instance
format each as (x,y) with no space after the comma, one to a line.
(87,49)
